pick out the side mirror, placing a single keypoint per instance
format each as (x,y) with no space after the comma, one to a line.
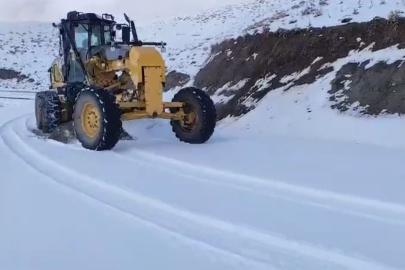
(127,18)
(126,34)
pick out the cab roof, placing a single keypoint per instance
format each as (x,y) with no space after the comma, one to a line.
(88,17)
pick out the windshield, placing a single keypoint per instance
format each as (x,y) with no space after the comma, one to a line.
(96,37)
(81,37)
(107,34)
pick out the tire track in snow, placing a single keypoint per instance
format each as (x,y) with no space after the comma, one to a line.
(17,91)
(18,94)
(21,98)
(219,181)
(108,195)
(270,185)
(259,186)
(216,234)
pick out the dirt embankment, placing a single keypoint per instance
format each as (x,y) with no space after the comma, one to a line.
(374,90)
(9,74)
(276,55)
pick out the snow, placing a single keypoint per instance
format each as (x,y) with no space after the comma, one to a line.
(196,209)
(225,93)
(28,48)
(304,111)
(189,38)
(290,185)
(295,76)
(262,84)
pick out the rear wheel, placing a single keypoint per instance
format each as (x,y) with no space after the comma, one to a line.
(48,110)
(39,104)
(97,119)
(199,123)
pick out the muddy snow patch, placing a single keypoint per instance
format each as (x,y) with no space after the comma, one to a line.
(10,74)
(66,134)
(225,93)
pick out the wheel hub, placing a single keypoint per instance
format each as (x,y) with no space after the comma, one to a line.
(190,119)
(90,120)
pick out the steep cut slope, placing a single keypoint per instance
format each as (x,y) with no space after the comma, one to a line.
(243,70)
(189,38)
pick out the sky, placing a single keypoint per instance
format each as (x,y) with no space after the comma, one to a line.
(139,10)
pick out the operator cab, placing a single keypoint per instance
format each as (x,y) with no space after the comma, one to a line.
(91,31)
(85,35)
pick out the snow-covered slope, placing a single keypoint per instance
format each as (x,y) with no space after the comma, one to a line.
(28,48)
(190,38)
(276,189)
(305,110)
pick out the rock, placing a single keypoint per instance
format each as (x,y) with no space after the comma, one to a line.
(175,79)
(346,20)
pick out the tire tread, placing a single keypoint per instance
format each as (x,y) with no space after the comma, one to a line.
(111,115)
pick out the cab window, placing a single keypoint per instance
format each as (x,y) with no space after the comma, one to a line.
(96,35)
(107,34)
(81,37)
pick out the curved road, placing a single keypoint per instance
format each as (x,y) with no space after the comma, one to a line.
(146,206)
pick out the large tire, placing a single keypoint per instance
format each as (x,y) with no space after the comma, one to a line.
(48,110)
(198,102)
(39,104)
(102,126)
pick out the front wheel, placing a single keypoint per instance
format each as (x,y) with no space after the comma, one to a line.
(97,119)
(200,116)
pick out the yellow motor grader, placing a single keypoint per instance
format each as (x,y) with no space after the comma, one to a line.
(101,79)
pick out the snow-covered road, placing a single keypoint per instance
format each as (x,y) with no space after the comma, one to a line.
(236,202)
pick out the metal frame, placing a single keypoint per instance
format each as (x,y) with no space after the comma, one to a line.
(150,67)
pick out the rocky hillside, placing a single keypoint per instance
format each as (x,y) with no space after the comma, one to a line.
(190,38)
(240,53)
(26,52)
(243,70)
